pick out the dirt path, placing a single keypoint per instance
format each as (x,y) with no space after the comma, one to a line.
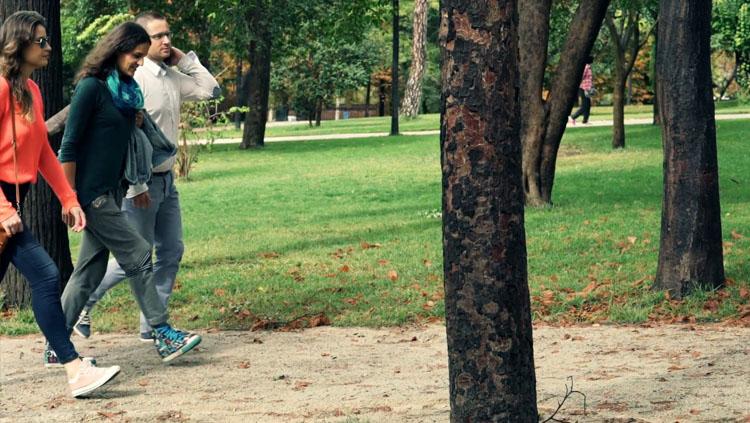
(629,374)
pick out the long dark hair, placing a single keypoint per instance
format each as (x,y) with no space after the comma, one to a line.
(16,34)
(124,38)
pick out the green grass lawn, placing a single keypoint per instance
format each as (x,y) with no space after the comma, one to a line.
(432,122)
(351,229)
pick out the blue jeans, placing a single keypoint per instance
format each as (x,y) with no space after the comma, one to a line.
(25,252)
(161,226)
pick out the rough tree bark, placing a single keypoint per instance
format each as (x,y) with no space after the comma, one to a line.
(488,319)
(41,208)
(690,251)
(394,69)
(543,127)
(413,94)
(258,83)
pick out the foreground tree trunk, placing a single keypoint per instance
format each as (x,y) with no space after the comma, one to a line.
(258,82)
(413,94)
(543,127)
(394,69)
(488,319)
(41,210)
(690,252)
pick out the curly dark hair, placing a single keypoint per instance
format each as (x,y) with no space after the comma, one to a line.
(124,38)
(17,33)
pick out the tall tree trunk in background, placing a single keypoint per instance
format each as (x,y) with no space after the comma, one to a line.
(488,317)
(258,79)
(657,116)
(394,70)
(41,210)
(381,98)
(413,95)
(541,143)
(533,33)
(690,251)
(626,43)
(238,88)
(318,111)
(367,97)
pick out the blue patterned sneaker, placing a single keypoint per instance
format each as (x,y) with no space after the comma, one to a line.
(171,343)
(83,325)
(51,361)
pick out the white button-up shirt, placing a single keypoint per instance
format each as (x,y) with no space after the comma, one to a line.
(164,89)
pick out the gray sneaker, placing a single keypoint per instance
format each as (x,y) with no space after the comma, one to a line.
(146,337)
(83,325)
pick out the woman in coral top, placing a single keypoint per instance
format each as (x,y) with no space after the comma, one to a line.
(24,48)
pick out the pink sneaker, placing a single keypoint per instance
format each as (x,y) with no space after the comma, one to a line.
(90,378)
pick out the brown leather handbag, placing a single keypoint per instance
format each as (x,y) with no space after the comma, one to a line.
(5,236)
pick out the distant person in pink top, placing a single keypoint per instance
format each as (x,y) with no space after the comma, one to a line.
(585,91)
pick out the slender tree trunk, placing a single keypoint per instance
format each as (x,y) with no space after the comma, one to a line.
(618,107)
(41,210)
(690,252)
(238,84)
(318,112)
(488,318)
(367,97)
(381,98)
(533,26)
(394,69)
(259,80)
(657,116)
(413,95)
(541,146)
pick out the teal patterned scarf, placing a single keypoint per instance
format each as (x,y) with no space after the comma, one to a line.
(126,93)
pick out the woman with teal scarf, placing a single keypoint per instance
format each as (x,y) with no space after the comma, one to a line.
(93,155)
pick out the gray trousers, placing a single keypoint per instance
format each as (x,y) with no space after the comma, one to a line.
(161,226)
(108,231)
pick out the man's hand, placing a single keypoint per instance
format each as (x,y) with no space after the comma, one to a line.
(142,200)
(175,57)
(74,218)
(13,224)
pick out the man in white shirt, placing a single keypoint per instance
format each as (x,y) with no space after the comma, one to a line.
(154,209)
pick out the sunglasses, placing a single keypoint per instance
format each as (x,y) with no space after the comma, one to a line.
(159,36)
(42,41)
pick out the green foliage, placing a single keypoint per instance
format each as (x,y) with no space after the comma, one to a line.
(320,70)
(731,34)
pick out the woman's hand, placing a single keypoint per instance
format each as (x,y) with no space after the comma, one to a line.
(74,218)
(139,119)
(13,224)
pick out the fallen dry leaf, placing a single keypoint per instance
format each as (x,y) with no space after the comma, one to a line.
(367,245)
(737,235)
(269,255)
(301,384)
(143,382)
(427,263)
(345,268)
(219,292)
(244,365)
(393,275)
(744,293)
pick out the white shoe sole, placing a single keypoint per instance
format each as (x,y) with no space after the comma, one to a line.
(111,373)
(193,341)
